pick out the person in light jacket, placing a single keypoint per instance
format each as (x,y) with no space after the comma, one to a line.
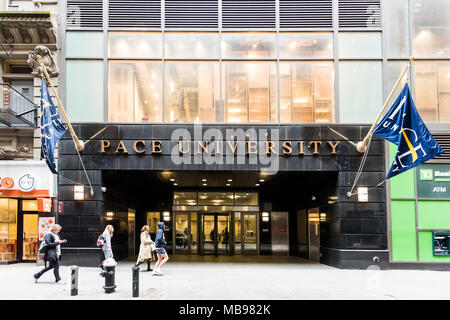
(52,253)
(160,250)
(107,248)
(145,249)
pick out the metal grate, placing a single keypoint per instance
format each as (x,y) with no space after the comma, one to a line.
(306,14)
(84,13)
(135,13)
(248,14)
(444,142)
(359,14)
(191,14)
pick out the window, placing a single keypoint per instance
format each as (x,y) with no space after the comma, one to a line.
(249,92)
(246,199)
(185,198)
(248,45)
(84,44)
(432,88)
(306,93)
(397,28)
(306,45)
(135,45)
(135,91)
(431,24)
(361,91)
(191,45)
(29,205)
(8,229)
(192,92)
(152,221)
(360,45)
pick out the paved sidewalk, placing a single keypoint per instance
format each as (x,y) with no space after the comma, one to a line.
(231,278)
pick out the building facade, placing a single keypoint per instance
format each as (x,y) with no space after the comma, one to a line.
(235,122)
(27,187)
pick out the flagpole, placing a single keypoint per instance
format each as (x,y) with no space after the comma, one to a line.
(79,144)
(361,146)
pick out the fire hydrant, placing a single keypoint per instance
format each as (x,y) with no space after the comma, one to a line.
(109,273)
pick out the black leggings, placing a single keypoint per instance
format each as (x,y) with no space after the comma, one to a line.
(148,263)
(53,264)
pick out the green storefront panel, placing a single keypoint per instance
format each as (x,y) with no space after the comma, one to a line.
(426,248)
(403,230)
(434,214)
(402,185)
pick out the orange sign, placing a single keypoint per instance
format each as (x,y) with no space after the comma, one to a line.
(7,183)
(44,205)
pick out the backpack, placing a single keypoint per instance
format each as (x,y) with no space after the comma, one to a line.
(100,240)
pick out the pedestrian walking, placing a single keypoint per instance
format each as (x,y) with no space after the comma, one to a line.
(145,249)
(52,253)
(160,244)
(106,247)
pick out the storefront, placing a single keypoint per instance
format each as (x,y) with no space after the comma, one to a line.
(224,190)
(26,191)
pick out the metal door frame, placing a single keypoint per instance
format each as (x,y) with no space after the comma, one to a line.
(243,251)
(201,234)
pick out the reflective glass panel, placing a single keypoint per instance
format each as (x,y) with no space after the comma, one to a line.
(135,91)
(192,92)
(185,198)
(431,25)
(246,199)
(152,221)
(30,236)
(191,45)
(359,44)
(135,45)
(29,205)
(194,232)
(8,229)
(397,28)
(248,45)
(307,90)
(361,91)
(181,232)
(237,233)
(306,45)
(84,44)
(216,198)
(249,92)
(432,88)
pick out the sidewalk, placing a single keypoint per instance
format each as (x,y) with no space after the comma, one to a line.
(222,278)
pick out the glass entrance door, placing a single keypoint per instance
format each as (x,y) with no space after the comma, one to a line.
(215,236)
(30,236)
(209,234)
(249,233)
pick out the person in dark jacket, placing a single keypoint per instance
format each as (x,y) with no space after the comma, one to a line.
(160,244)
(52,253)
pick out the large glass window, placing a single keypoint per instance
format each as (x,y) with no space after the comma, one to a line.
(306,45)
(432,88)
(8,229)
(361,91)
(84,44)
(135,91)
(359,44)
(431,27)
(189,45)
(135,45)
(306,92)
(397,28)
(192,92)
(248,45)
(249,92)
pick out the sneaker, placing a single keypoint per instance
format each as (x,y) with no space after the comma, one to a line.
(158,271)
(35,279)
(60,282)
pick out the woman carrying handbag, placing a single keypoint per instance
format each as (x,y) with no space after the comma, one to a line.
(145,249)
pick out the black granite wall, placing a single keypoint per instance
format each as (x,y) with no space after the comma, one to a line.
(351,228)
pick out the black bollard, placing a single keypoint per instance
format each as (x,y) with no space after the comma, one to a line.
(135,281)
(74,281)
(110,279)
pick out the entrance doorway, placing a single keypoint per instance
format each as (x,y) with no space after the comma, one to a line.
(215,236)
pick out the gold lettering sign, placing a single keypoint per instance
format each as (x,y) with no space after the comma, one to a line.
(156,146)
(121,148)
(105,144)
(286,147)
(137,144)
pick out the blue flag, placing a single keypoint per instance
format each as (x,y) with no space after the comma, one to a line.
(51,128)
(403,127)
